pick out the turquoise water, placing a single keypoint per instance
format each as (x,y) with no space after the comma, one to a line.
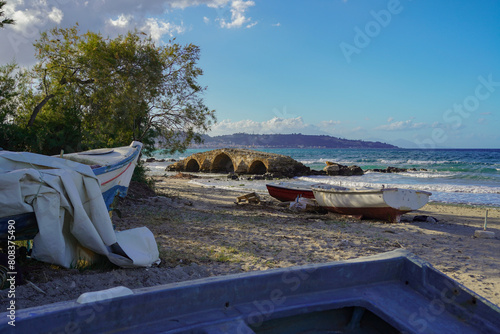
(467,176)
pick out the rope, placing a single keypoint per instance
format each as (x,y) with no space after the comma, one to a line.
(42,182)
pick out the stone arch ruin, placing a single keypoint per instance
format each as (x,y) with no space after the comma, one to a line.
(222,163)
(240,161)
(257,167)
(192,166)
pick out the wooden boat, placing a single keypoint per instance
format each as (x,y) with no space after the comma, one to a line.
(394,292)
(384,203)
(113,167)
(288,192)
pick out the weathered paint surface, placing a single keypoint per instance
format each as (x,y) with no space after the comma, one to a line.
(386,204)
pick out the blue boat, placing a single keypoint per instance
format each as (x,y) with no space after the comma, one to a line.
(112,167)
(394,292)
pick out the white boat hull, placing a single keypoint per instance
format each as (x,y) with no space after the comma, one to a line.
(386,203)
(113,167)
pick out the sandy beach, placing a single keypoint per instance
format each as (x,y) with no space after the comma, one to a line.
(201,232)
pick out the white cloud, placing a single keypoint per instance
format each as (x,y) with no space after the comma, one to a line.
(121,22)
(154,27)
(182,4)
(38,15)
(56,15)
(276,125)
(108,17)
(237,8)
(401,125)
(206,20)
(157,28)
(30,18)
(251,24)
(328,125)
(238,18)
(276,24)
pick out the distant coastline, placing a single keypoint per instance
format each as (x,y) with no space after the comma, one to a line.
(239,140)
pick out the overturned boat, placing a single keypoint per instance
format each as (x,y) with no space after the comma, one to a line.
(394,292)
(372,203)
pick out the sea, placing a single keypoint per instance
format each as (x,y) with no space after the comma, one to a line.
(454,176)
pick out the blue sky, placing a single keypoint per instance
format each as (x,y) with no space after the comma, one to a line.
(411,73)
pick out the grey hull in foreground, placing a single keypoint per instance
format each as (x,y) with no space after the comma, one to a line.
(392,292)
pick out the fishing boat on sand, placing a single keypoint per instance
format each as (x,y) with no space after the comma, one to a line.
(288,192)
(63,205)
(393,292)
(372,203)
(113,168)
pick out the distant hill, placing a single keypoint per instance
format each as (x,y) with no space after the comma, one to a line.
(286,141)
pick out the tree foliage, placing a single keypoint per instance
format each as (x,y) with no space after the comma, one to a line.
(88,91)
(7,91)
(2,13)
(10,134)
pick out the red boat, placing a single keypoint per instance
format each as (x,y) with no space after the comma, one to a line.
(288,192)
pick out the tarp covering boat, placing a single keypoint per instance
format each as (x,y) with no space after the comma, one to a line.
(72,217)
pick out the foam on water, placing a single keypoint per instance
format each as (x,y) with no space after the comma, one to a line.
(443,194)
(157,168)
(453,176)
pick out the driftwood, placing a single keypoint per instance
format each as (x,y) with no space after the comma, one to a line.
(250,198)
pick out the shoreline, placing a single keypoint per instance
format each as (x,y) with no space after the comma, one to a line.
(443,192)
(201,232)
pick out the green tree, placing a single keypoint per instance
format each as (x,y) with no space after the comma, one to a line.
(7,92)
(10,135)
(6,20)
(117,90)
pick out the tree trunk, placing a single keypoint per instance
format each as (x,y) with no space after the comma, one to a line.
(38,108)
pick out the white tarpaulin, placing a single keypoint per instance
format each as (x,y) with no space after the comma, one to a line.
(70,211)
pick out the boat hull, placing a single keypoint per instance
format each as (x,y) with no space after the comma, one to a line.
(112,167)
(385,204)
(288,193)
(401,294)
